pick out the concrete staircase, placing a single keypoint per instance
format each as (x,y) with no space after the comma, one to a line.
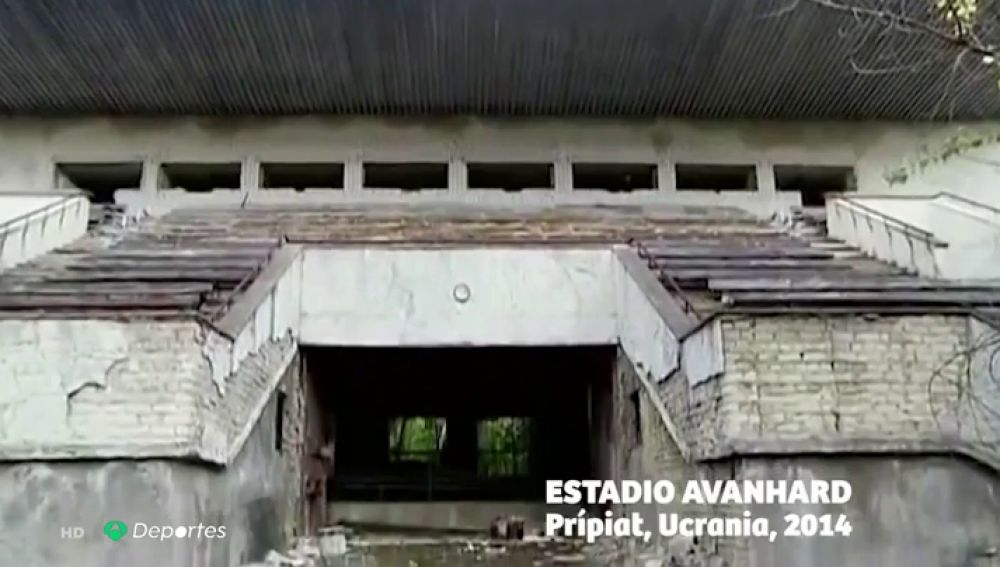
(32,224)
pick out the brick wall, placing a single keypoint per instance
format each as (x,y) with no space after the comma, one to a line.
(98,388)
(293,444)
(228,417)
(654,455)
(139,389)
(887,383)
(801,384)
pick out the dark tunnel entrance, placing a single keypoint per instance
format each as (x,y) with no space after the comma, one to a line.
(484,425)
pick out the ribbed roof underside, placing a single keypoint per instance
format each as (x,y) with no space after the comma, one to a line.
(697,58)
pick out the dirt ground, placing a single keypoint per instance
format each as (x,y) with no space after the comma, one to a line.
(384,550)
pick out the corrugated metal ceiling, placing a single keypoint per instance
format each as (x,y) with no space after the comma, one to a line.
(697,58)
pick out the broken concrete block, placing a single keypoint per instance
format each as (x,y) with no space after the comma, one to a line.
(275,559)
(332,545)
(307,547)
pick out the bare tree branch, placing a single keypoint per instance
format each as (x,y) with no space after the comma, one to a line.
(960,38)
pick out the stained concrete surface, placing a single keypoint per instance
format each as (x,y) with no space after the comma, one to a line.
(38,499)
(919,511)
(386,549)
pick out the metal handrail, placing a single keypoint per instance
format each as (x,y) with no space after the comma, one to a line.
(905,227)
(9,226)
(644,254)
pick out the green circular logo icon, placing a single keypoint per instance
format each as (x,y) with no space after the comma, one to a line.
(115,530)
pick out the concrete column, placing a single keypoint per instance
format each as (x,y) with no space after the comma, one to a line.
(250,174)
(46,178)
(666,175)
(458,175)
(562,173)
(150,181)
(354,174)
(765,177)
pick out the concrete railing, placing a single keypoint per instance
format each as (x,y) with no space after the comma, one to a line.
(269,309)
(33,224)
(884,236)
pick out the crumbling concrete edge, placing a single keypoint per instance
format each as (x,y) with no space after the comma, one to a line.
(661,340)
(268,309)
(32,452)
(237,443)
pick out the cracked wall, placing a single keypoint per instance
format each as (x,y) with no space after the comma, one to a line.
(250,498)
(843,382)
(101,388)
(257,496)
(883,402)
(515,296)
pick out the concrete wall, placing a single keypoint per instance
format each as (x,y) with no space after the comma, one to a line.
(850,387)
(108,389)
(519,296)
(30,147)
(250,498)
(31,225)
(937,236)
(99,388)
(917,511)
(470,516)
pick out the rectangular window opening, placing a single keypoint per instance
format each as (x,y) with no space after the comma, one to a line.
(99,180)
(636,403)
(614,177)
(302,176)
(279,421)
(712,177)
(814,182)
(406,176)
(504,447)
(200,176)
(510,176)
(416,439)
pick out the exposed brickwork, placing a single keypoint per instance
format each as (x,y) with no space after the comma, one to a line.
(98,387)
(258,377)
(801,377)
(138,389)
(695,410)
(293,443)
(799,384)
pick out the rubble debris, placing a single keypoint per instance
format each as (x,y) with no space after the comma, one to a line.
(569,559)
(333,541)
(509,528)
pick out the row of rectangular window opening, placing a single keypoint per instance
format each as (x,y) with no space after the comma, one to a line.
(102,179)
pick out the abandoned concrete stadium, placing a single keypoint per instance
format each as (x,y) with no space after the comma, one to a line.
(281,323)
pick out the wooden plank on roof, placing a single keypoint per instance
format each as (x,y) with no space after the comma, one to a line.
(763,273)
(97,263)
(845,282)
(205,253)
(673,264)
(876,297)
(105,288)
(24,302)
(736,251)
(134,243)
(152,275)
(699,278)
